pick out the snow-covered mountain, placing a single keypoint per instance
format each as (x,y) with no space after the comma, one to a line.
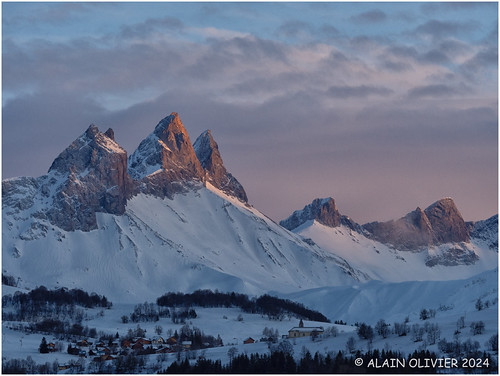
(430,244)
(171,217)
(159,224)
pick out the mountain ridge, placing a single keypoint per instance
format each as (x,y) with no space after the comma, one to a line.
(171,214)
(440,223)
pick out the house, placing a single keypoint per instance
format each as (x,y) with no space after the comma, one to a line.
(126,343)
(172,341)
(103,358)
(143,341)
(158,341)
(186,344)
(138,346)
(84,343)
(249,340)
(164,350)
(304,331)
(51,346)
(103,351)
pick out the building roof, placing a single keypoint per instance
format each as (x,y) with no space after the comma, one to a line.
(307,329)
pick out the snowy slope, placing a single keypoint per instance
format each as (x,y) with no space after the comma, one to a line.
(199,239)
(385,263)
(369,302)
(374,300)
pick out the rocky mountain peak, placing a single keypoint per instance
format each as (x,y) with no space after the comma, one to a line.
(418,219)
(322,210)
(440,223)
(110,133)
(92,175)
(207,152)
(171,131)
(447,222)
(165,161)
(206,149)
(87,151)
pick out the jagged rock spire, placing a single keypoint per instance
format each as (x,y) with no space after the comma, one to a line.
(165,158)
(95,167)
(322,210)
(208,154)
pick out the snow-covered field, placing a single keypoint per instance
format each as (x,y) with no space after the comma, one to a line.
(393,302)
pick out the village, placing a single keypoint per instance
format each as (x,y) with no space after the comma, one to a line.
(106,350)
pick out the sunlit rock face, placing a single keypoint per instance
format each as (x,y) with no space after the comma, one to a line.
(208,154)
(165,161)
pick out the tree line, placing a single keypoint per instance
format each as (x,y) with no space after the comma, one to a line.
(273,307)
(62,296)
(280,362)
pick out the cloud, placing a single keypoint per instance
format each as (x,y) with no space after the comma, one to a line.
(144,29)
(485,58)
(371,16)
(55,14)
(434,56)
(436,91)
(402,51)
(329,31)
(395,66)
(272,104)
(440,29)
(361,91)
(433,8)
(294,29)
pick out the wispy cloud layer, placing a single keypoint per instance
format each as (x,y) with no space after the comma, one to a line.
(305,100)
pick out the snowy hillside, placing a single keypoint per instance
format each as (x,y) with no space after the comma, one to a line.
(200,239)
(383,262)
(451,301)
(374,300)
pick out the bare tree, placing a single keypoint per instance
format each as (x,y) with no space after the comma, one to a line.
(350,344)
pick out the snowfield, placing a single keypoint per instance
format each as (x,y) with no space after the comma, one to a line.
(364,303)
(204,239)
(201,239)
(382,262)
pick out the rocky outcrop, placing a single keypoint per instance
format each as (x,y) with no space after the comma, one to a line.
(89,176)
(410,232)
(447,223)
(165,162)
(452,257)
(207,152)
(322,210)
(440,223)
(95,168)
(485,231)
(94,175)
